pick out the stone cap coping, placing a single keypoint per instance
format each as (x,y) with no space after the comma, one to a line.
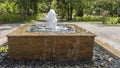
(22,32)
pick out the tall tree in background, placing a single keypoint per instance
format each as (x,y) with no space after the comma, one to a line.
(67,8)
(28,7)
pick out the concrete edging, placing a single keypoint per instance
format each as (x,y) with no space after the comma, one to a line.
(108,47)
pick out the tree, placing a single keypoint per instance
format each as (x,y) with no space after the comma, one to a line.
(68,6)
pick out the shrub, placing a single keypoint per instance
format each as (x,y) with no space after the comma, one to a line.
(7,17)
(111,20)
(89,18)
(105,20)
(4,48)
(118,20)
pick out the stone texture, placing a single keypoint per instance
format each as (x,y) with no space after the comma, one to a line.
(101,59)
(30,45)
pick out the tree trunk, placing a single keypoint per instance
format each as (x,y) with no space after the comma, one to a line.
(71,12)
(35,7)
(68,15)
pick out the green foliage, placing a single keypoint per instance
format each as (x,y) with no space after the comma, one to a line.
(3,49)
(112,20)
(107,20)
(89,18)
(18,10)
(26,10)
(7,12)
(54,4)
(118,20)
(97,7)
(6,17)
(42,7)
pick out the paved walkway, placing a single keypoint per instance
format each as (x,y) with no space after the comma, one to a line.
(107,36)
(6,29)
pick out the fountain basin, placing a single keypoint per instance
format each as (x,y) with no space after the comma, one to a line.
(61,28)
(50,45)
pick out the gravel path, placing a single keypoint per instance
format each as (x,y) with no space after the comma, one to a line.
(101,59)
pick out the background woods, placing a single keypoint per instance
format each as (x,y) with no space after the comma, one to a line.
(81,10)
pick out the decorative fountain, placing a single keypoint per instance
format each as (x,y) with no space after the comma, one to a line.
(51,25)
(50,41)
